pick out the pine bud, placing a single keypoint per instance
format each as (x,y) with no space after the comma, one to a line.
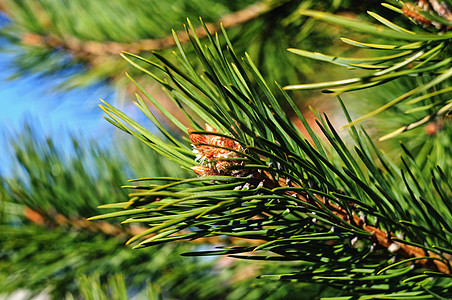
(210,152)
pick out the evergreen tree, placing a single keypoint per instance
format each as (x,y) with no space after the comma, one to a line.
(350,217)
(317,208)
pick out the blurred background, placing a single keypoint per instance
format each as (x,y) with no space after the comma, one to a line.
(59,159)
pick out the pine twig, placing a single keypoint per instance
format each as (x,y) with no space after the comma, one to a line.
(213,149)
(57,219)
(379,236)
(90,51)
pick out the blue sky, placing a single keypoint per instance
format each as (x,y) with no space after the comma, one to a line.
(33,99)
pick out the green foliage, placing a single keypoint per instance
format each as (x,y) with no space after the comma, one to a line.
(89,31)
(53,250)
(334,211)
(91,288)
(46,177)
(48,249)
(288,194)
(406,53)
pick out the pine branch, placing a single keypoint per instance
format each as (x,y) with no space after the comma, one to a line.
(92,51)
(418,54)
(57,220)
(260,179)
(377,236)
(50,23)
(46,244)
(214,149)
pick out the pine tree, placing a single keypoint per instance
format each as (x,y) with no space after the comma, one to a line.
(319,208)
(91,34)
(346,216)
